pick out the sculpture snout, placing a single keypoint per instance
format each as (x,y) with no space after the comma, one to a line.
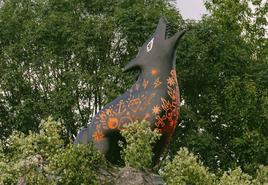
(132,64)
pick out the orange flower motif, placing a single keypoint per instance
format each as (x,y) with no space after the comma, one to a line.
(98,136)
(154,72)
(170,81)
(113,123)
(156,110)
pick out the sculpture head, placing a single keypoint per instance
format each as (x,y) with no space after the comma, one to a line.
(158,52)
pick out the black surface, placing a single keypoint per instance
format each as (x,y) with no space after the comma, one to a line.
(154,97)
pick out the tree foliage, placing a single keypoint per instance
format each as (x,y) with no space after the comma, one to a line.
(185,169)
(64,58)
(138,152)
(222,67)
(42,158)
(235,177)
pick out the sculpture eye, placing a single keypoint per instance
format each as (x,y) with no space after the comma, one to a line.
(150,45)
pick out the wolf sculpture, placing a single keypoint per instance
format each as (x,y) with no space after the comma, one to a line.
(154,97)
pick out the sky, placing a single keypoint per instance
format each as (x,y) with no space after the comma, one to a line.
(191,9)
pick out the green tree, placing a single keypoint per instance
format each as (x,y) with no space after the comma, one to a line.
(222,64)
(64,58)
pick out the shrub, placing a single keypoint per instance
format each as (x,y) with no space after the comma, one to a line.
(77,164)
(23,157)
(235,177)
(262,176)
(186,169)
(139,138)
(42,158)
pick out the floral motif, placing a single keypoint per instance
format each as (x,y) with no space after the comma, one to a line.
(154,72)
(113,123)
(156,109)
(98,135)
(170,81)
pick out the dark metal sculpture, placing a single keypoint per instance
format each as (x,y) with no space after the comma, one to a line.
(154,97)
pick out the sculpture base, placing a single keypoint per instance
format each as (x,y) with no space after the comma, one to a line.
(130,176)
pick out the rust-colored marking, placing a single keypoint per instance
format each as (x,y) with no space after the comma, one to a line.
(170,81)
(113,123)
(167,121)
(157,82)
(160,121)
(146,116)
(165,104)
(154,72)
(156,110)
(121,107)
(110,112)
(134,104)
(166,113)
(98,135)
(145,83)
(172,93)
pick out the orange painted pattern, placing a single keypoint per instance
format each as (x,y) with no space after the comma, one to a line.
(125,111)
(98,135)
(157,82)
(167,122)
(154,72)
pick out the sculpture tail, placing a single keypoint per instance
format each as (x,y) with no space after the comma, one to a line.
(84,136)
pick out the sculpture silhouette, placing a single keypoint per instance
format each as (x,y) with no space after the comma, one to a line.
(154,97)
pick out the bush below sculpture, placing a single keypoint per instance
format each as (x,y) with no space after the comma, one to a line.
(42,158)
(139,138)
(185,169)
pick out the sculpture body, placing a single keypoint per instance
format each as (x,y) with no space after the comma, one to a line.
(154,97)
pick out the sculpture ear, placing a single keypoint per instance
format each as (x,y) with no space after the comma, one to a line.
(174,40)
(161,28)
